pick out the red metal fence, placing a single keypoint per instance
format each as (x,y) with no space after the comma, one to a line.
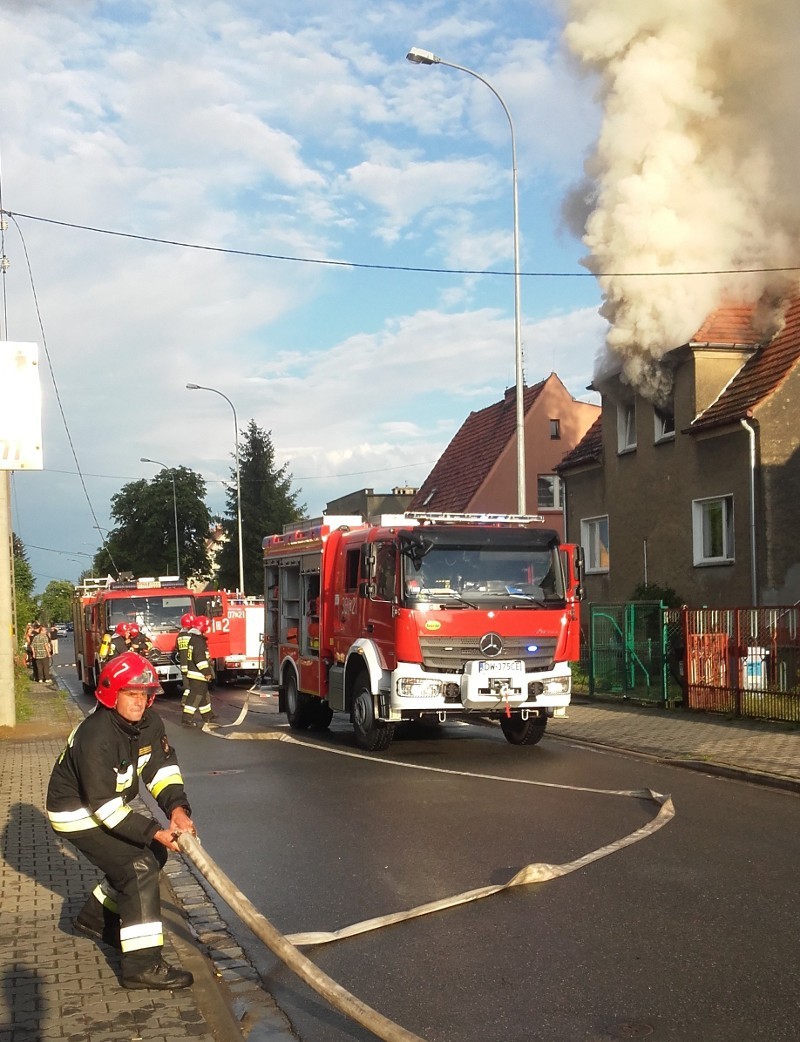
(743,661)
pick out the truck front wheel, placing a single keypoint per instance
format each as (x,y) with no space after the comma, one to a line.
(298,706)
(371,734)
(523,732)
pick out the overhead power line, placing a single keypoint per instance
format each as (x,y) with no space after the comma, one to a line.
(390,267)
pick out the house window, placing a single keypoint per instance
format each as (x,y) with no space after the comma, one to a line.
(548,492)
(712,530)
(626,426)
(664,420)
(555,430)
(594,540)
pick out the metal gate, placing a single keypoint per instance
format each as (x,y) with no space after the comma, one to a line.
(744,661)
(628,651)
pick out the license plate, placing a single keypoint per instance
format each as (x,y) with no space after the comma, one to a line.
(501,666)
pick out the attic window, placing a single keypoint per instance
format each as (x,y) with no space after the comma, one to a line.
(555,430)
(429,497)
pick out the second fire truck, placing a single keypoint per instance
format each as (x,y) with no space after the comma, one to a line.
(423,616)
(154,604)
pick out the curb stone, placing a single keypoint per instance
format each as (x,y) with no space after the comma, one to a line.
(259,1017)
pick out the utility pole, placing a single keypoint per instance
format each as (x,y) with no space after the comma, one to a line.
(8,714)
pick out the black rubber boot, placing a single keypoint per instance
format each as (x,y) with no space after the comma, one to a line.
(97,921)
(107,932)
(159,976)
(186,720)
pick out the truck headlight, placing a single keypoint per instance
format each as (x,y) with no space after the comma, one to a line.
(417,687)
(557,687)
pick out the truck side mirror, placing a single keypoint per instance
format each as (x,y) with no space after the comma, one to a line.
(366,590)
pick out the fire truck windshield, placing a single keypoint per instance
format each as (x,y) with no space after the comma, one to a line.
(154,614)
(502,576)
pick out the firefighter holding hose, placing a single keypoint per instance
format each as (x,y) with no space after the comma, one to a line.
(89,798)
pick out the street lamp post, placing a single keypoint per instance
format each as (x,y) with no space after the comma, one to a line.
(199,387)
(158,463)
(420,57)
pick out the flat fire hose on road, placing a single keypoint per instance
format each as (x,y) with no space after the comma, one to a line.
(286,947)
(325,986)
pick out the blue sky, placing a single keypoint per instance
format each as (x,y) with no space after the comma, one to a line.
(291,129)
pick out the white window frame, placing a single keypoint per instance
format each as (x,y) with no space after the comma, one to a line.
(557,488)
(704,515)
(661,419)
(626,425)
(593,543)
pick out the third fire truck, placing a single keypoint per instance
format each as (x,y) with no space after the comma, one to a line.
(235,640)
(423,616)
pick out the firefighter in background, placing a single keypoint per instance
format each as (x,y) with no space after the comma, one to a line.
(89,799)
(122,640)
(182,649)
(199,674)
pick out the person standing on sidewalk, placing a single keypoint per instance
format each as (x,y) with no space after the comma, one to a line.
(199,674)
(42,651)
(89,804)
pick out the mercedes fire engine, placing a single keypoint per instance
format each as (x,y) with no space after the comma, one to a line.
(423,616)
(235,640)
(155,604)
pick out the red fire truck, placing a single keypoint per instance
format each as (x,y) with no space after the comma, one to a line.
(155,604)
(423,616)
(235,640)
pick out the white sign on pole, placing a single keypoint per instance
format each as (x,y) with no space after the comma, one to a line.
(20,407)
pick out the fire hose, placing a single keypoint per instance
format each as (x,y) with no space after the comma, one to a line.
(334,993)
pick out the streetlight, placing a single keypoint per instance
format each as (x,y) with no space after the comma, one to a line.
(158,463)
(199,387)
(420,57)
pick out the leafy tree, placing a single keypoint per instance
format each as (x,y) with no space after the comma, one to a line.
(24,583)
(268,503)
(143,539)
(56,601)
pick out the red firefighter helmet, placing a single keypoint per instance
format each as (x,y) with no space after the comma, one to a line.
(124,672)
(201,623)
(187,620)
(129,630)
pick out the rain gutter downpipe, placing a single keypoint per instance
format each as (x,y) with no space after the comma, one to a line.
(753,572)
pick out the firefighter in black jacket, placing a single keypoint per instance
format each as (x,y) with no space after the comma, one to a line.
(182,648)
(199,674)
(88,803)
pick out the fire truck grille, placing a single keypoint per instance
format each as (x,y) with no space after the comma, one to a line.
(445,655)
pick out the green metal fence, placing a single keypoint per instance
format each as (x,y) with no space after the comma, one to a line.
(628,652)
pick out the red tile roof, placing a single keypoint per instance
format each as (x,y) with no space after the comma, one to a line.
(761,374)
(588,450)
(465,463)
(728,325)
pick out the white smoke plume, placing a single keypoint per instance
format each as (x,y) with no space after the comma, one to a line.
(696,166)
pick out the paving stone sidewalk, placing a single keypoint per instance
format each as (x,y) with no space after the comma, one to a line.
(59,987)
(751,749)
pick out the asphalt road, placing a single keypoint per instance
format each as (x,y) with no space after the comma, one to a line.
(689,934)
